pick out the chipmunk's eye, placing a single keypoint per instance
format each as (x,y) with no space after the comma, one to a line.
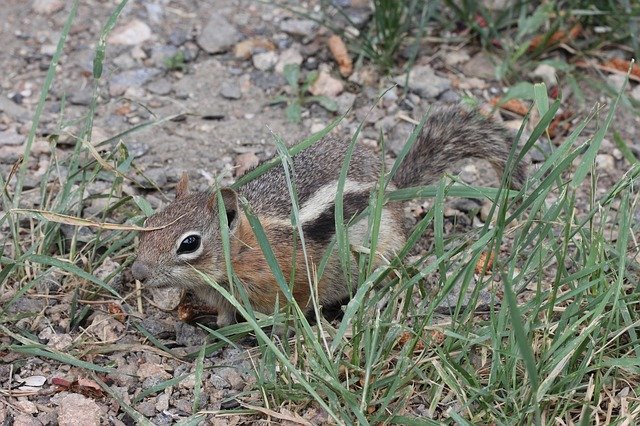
(231,215)
(189,244)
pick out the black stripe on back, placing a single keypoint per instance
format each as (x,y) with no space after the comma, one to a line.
(323,228)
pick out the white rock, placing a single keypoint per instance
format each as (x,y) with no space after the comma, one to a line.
(469,83)
(48,49)
(289,56)
(35,380)
(98,134)
(167,298)
(26,406)
(616,81)
(456,57)
(47,7)
(23,419)
(162,403)
(635,93)
(606,145)
(230,90)
(617,154)
(326,85)
(76,409)
(105,327)
(138,52)
(547,73)
(10,137)
(155,12)
(265,61)
(61,342)
(424,82)
(154,370)
(218,35)
(300,27)
(345,102)
(316,127)
(390,97)
(605,162)
(481,66)
(130,34)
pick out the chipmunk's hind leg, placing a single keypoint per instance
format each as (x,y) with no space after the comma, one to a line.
(226,317)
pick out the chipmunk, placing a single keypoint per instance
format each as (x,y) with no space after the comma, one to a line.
(167,256)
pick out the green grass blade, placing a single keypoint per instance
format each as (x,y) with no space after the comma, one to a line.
(590,154)
(46,87)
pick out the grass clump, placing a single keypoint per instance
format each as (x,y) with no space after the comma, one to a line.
(562,34)
(392,23)
(539,354)
(393,26)
(557,345)
(572,36)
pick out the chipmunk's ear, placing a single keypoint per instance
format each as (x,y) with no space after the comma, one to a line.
(231,206)
(182,188)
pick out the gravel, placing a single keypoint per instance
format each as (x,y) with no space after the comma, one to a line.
(225,105)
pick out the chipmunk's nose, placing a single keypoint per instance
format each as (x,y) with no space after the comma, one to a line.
(140,270)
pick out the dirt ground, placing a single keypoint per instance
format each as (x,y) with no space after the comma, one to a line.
(214,66)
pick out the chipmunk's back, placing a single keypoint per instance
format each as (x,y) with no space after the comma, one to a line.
(315,175)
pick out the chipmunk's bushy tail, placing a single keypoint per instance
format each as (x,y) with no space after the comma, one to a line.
(454,134)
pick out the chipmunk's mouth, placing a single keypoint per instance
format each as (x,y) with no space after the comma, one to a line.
(154,277)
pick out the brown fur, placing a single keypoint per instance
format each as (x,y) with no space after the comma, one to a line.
(449,135)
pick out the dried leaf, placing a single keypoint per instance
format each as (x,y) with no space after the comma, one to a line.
(78,221)
(35,381)
(613,66)
(123,110)
(437,337)
(514,105)
(116,311)
(341,55)
(622,65)
(85,387)
(62,383)
(90,390)
(558,37)
(285,416)
(88,383)
(480,264)
(481,21)
(245,162)
(560,125)
(405,337)
(246,48)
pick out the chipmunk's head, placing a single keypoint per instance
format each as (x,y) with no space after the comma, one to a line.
(184,236)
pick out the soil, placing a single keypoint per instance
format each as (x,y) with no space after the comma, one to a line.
(180,59)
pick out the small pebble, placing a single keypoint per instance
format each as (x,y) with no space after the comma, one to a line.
(265,61)
(230,90)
